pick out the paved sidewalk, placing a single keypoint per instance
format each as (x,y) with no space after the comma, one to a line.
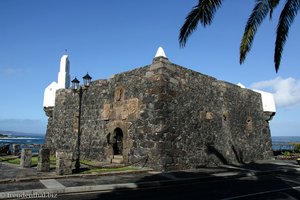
(11,172)
(16,182)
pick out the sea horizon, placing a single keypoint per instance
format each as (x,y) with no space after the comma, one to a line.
(278,142)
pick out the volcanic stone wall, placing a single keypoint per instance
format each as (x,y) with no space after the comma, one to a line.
(171,118)
(211,122)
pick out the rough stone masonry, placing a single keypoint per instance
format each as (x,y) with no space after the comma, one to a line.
(162,116)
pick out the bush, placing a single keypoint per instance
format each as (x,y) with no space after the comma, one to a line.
(297,148)
(286,153)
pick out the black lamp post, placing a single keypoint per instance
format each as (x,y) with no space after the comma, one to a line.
(79,90)
(87,80)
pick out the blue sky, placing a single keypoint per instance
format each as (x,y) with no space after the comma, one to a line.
(104,37)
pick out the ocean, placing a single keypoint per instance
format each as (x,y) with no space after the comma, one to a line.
(284,142)
(35,141)
(27,141)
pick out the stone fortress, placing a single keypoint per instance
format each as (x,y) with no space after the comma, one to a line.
(162,115)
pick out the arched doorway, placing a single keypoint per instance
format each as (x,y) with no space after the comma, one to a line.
(118,141)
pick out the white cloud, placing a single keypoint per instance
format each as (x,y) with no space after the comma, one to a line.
(10,71)
(286,91)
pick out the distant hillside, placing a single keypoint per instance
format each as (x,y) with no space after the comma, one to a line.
(2,135)
(15,133)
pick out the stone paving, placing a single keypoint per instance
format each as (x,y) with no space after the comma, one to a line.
(11,172)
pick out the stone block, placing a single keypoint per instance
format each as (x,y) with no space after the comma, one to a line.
(209,115)
(16,149)
(26,156)
(149,74)
(5,149)
(105,114)
(64,162)
(44,160)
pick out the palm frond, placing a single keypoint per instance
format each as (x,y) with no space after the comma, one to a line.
(286,18)
(189,26)
(208,9)
(203,13)
(258,14)
(273,4)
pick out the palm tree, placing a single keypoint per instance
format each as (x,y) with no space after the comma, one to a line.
(204,12)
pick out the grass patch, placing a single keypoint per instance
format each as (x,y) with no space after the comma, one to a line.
(99,170)
(16,161)
(87,162)
(52,162)
(5,158)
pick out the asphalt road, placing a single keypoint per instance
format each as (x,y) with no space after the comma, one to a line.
(271,186)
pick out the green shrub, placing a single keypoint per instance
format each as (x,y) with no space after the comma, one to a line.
(286,153)
(297,148)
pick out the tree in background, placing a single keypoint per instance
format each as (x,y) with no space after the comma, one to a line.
(205,10)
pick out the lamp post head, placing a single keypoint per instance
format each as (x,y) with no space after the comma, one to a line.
(87,80)
(75,83)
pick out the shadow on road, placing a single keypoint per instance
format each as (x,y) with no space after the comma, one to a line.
(205,183)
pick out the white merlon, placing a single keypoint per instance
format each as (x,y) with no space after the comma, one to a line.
(267,101)
(160,53)
(62,82)
(49,94)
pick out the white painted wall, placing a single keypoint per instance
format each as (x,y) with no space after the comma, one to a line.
(268,101)
(49,95)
